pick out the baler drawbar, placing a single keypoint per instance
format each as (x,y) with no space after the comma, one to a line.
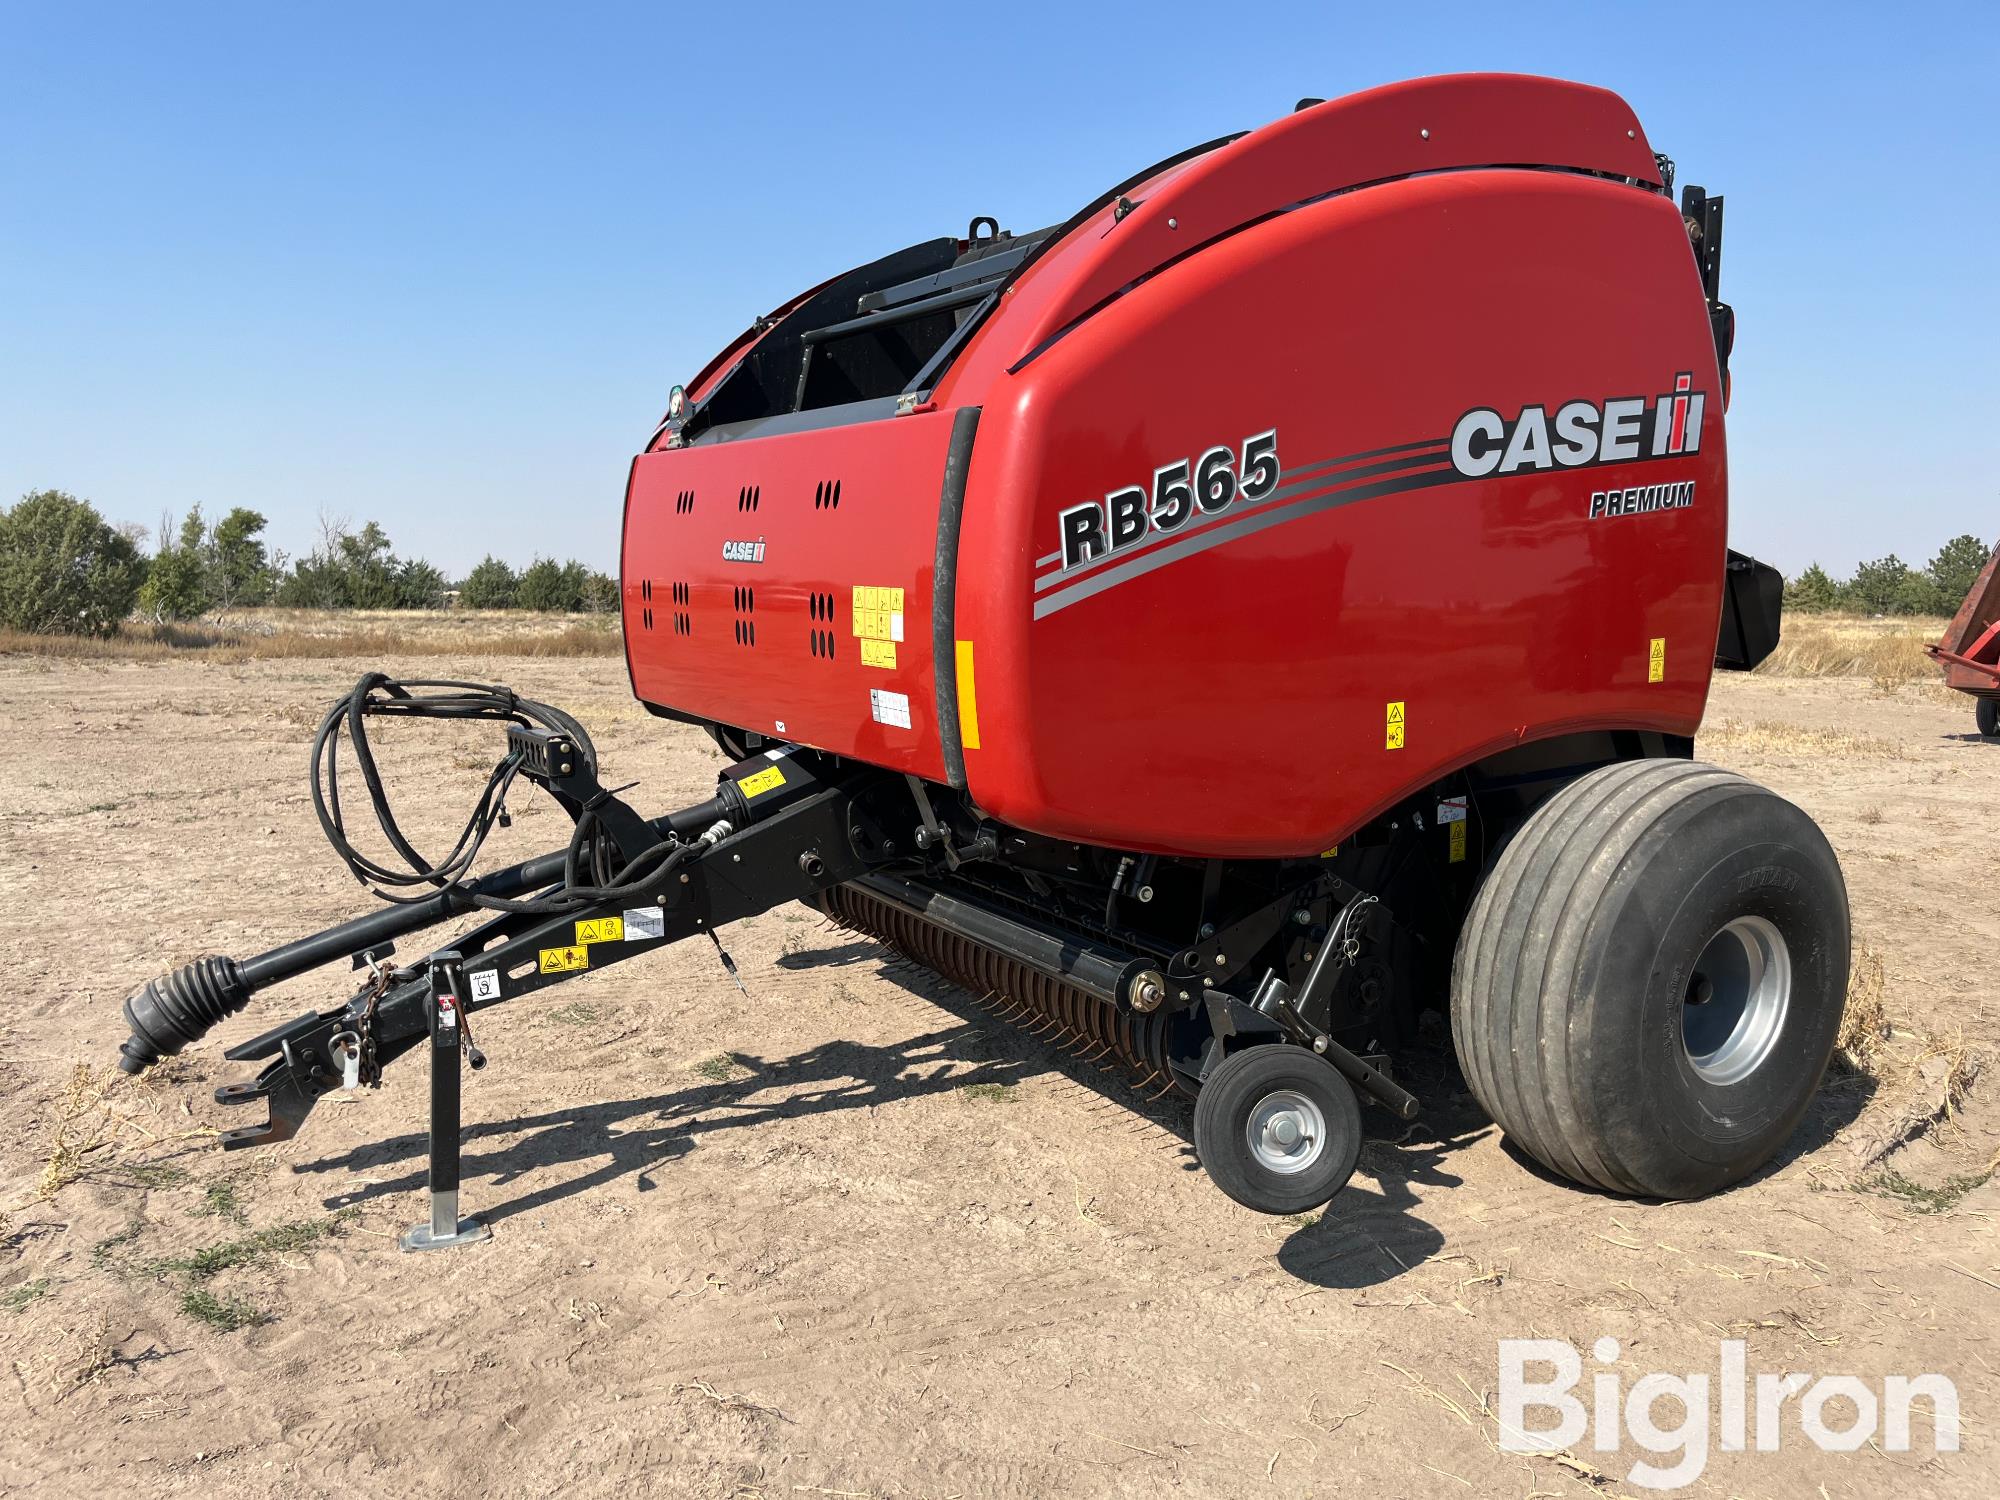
(1219,629)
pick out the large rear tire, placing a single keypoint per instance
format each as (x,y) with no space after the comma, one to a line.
(1650,981)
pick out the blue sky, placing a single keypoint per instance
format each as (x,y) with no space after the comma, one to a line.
(438,266)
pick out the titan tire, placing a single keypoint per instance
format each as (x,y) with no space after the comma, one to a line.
(1986,714)
(1277,1128)
(1650,981)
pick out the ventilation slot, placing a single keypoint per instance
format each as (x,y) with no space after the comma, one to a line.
(749,496)
(746,606)
(683,502)
(683,620)
(646,596)
(824,642)
(827,495)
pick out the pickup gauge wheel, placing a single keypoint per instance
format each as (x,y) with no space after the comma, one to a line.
(1277,1128)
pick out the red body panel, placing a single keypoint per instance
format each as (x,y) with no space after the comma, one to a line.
(1235,701)
(1225,690)
(1422,125)
(800,676)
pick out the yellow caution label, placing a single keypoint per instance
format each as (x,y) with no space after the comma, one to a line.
(1457,842)
(565,960)
(878,615)
(758,782)
(968,699)
(1656,660)
(1329,853)
(600,930)
(876,653)
(1393,737)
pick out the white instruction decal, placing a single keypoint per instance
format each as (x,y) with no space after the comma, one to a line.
(644,922)
(1451,810)
(889,708)
(486,984)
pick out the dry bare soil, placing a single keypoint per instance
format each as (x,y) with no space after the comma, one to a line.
(849,1235)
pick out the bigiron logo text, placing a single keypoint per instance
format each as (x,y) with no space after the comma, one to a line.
(744,552)
(1624,429)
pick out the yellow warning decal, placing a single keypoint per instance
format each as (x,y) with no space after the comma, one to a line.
(1656,660)
(1393,737)
(759,782)
(878,614)
(1457,841)
(600,930)
(876,653)
(1329,853)
(564,960)
(968,699)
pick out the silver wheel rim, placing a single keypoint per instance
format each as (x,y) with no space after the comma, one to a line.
(1286,1132)
(1736,1001)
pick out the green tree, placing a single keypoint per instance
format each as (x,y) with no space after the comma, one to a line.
(600,592)
(239,568)
(1955,569)
(315,582)
(491,585)
(62,569)
(369,562)
(319,579)
(419,585)
(1887,586)
(551,587)
(176,586)
(1811,591)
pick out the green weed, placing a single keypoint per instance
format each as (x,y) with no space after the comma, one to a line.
(17,1297)
(1946,1196)
(224,1314)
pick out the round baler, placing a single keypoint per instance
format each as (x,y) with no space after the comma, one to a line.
(1275,602)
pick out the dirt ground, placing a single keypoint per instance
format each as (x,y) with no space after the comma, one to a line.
(852,1236)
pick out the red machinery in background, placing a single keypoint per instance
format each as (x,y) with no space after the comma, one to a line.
(1970,649)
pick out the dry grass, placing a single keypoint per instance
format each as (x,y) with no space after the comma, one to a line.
(1889,650)
(97,1119)
(1770,737)
(83,1128)
(1921,1077)
(1864,1026)
(258,634)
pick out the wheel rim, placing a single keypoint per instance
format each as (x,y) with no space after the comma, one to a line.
(1736,1000)
(1286,1132)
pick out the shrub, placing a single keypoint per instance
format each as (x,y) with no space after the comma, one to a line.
(62,569)
(491,585)
(552,587)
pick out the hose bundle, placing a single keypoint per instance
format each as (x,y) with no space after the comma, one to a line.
(591,871)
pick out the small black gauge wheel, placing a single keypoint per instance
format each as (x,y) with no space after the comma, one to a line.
(1277,1128)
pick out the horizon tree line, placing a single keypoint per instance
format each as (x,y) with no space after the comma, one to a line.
(64,569)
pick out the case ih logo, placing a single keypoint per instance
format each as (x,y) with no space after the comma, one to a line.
(744,552)
(1622,430)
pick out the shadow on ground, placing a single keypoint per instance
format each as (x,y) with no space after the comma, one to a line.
(1370,1234)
